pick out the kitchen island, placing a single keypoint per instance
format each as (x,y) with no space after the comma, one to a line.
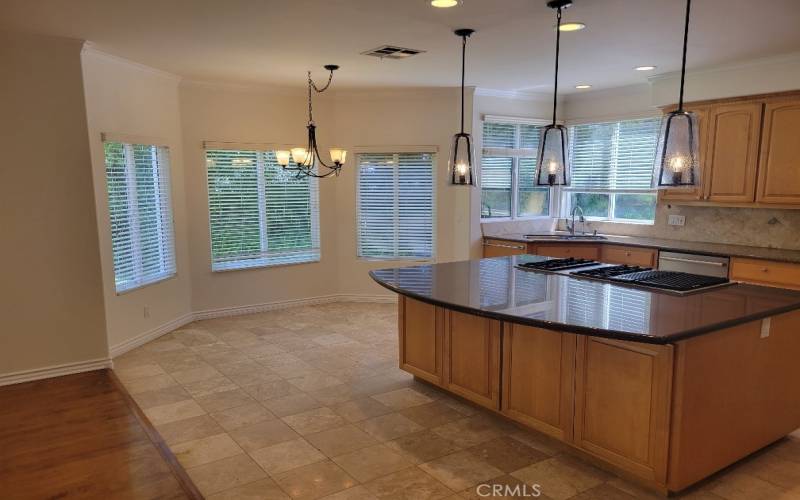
(665,388)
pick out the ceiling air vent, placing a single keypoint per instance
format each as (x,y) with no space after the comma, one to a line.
(392,52)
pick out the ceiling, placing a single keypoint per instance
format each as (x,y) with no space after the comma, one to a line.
(277,41)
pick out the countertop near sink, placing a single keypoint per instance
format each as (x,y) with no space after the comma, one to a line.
(698,247)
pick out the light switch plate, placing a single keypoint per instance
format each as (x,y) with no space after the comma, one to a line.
(676,220)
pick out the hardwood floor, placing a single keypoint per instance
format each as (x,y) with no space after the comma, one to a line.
(82,436)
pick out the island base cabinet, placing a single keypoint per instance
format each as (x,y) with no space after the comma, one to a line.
(538,378)
(736,391)
(622,404)
(421,347)
(472,358)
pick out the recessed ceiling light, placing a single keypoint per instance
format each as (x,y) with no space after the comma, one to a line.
(573,26)
(444,4)
(583,86)
(644,68)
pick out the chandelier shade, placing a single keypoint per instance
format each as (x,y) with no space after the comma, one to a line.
(460,162)
(553,157)
(677,161)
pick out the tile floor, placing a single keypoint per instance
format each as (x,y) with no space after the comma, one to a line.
(309,403)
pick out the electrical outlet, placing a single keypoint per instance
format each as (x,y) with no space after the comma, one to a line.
(676,220)
(146,311)
(765,326)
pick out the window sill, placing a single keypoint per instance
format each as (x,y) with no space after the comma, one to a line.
(617,221)
(260,264)
(510,219)
(145,285)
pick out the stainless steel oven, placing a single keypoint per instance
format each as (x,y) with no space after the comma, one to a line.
(707,265)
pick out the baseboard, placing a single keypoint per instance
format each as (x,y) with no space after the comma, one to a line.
(55,371)
(128,345)
(143,338)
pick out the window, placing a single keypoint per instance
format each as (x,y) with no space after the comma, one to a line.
(508,172)
(396,206)
(260,214)
(612,170)
(140,210)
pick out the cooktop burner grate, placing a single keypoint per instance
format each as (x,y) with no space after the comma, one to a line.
(670,280)
(558,264)
(609,271)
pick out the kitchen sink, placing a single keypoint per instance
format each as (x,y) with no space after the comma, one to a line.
(564,236)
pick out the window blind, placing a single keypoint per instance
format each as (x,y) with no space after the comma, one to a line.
(260,215)
(140,211)
(508,168)
(396,206)
(613,156)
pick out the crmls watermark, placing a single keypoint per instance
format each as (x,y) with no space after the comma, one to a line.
(507,490)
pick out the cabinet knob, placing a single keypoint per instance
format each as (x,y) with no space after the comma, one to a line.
(765,270)
(627,254)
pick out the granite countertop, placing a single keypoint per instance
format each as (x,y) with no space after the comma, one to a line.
(698,247)
(495,288)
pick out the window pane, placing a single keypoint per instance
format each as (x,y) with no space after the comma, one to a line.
(635,207)
(531,200)
(260,215)
(140,211)
(496,186)
(529,136)
(593,204)
(498,135)
(396,207)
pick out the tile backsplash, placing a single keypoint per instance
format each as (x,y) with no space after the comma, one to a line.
(736,226)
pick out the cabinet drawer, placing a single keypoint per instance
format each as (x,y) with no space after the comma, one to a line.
(766,272)
(617,254)
(502,248)
(569,250)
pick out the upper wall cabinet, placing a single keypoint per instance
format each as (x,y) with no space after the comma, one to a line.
(749,154)
(732,152)
(779,174)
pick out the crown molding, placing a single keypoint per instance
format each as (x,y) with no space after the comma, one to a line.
(90,49)
(514,94)
(792,57)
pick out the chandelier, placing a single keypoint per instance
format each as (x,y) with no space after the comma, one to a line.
(307,160)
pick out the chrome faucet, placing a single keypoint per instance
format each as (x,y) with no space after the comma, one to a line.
(581,219)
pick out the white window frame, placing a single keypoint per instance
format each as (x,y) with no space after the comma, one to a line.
(562,193)
(265,261)
(161,176)
(515,154)
(395,150)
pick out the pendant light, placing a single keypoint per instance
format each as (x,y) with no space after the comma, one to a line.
(552,165)
(677,161)
(460,164)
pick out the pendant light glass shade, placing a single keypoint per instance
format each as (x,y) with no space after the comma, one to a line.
(552,163)
(677,155)
(460,163)
(677,162)
(553,158)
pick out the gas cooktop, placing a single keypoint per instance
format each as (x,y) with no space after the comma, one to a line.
(642,277)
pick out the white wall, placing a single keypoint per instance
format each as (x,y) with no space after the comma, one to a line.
(392,118)
(51,296)
(127,98)
(252,115)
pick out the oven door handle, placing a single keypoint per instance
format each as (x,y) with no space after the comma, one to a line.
(694,261)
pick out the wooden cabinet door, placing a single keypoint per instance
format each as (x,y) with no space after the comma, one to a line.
(779,166)
(632,256)
(734,132)
(502,248)
(695,193)
(576,250)
(421,347)
(472,358)
(538,378)
(766,272)
(622,404)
